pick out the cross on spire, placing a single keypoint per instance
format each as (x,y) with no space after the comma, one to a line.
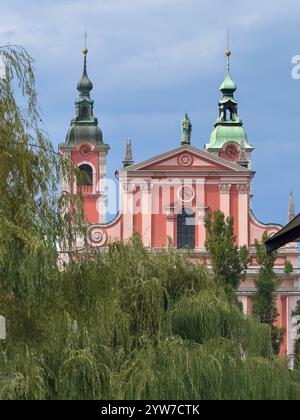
(85,39)
(228,51)
(228,39)
(85,50)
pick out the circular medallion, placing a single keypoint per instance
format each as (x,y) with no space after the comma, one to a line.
(185,160)
(85,150)
(97,236)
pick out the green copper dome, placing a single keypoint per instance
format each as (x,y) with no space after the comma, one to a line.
(78,134)
(224,134)
(228,85)
(228,127)
(84,85)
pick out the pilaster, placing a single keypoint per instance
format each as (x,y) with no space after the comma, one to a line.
(146,190)
(243,222)
(225,189)
(200,214)
(127,209)
(102,186)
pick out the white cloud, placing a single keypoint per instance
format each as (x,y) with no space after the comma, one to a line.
(143,40)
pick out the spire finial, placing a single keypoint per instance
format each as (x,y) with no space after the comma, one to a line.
(228,51)
(228,87)
(292,211)
(128,161)
(85,50)
(85,85)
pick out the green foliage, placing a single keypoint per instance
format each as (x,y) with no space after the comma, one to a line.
(182,370)
(210,316)
(32,215)
(22,376)
(229,263)
(84,376)
(264,302)
(104,336)
(288,267)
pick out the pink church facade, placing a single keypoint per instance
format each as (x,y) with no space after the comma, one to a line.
(165,199)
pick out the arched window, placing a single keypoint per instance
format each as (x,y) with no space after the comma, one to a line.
(86,175)
(186,230)
(228,114)
(84,112)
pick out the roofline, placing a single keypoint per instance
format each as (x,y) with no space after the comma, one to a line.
(264,224)
(67,146)
(217,149)
(162,172)
(217,159)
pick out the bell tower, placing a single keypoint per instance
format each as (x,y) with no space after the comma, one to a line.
(85,147)
(229,139)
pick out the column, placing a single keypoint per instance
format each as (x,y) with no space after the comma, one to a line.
(147,214)
(66,184)
(170,230)
(65,180)
(244,302)
(102,188)
(200,215)
(243,218)
(127,209)
(225,198)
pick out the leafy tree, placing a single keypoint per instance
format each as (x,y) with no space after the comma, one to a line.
(264,302)
(288,267)
(33,219)
(229,263)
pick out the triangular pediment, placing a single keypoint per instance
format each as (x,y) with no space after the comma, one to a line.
(187,158)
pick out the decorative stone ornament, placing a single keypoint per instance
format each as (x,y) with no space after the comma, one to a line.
(232,153)
(146,188)
(97,236)
(185,160)
(129,187)
(85,150)
(225,188)
(243,188)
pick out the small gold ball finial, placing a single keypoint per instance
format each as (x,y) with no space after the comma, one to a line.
(228,53)
(85,51)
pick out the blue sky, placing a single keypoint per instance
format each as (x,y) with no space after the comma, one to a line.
(153,60)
